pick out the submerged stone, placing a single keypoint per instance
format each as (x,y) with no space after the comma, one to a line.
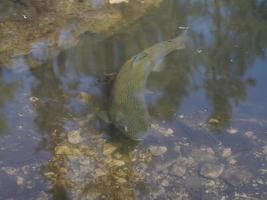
(115,163)
(211,170)
(157,150)
(237,176)
(118,1)
(84,97)
(164,131)
(20,180)
(74,137)
(232,130)
(227,152)
(213,121)
(250,135)
(99,172)
(109,148)
(179,170)
(65,150)
(264,150)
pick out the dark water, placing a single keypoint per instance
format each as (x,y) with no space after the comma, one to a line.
(209,102)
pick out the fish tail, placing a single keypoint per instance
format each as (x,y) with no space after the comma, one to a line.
(181,40)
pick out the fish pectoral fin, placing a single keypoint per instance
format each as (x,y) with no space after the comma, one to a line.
(159,65)
(104,117)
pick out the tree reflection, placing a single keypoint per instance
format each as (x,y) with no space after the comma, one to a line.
(238,38)
(7,89)
(230,36)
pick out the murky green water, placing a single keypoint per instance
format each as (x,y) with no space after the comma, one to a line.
(209,105)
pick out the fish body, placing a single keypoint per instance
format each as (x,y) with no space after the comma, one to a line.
(128,110)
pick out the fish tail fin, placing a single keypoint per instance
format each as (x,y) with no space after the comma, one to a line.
(181,40)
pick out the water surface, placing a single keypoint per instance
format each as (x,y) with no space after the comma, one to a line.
(209,103)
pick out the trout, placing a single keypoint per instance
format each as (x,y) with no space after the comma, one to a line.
(128,111)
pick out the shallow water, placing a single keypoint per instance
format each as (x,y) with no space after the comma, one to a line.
(209,103)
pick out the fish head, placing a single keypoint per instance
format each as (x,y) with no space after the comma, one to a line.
(132,125)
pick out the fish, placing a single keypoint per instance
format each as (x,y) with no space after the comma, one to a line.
(128,109)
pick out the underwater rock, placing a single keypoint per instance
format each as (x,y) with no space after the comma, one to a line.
(165,183)
(121,180)
(231,160)
(213,121)
(109,148)
(99,172)
(42,196)
(118,1)
(237,176)
(157,150)
(204,154)
(164,131)
(50,175)
(179,170)
(74,137)
(84,97)
(20,180)
(226,152)
(264,150)
(232,130)
(115,163)
(250,135)
(65,150)
(211,170)
(34,99)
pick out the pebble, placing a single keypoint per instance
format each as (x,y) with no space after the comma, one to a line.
(164,131)
(260,181)
(157,150)
(227,152)
(211,170)
(20,180)
(65,150)
(74,137)
(264,150)
(121,180)
(50,175)
(85,162)
(42,196)
(165,183)
(118,155)
(118,1)
(9,170)
(108,149)
(33,99)
(237,176)
(232,161)
(181,116)
(232,130)
(250,135)
(99,172)
(213,121)
(84,97)
(179,170)
(115,163)
(210,151)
